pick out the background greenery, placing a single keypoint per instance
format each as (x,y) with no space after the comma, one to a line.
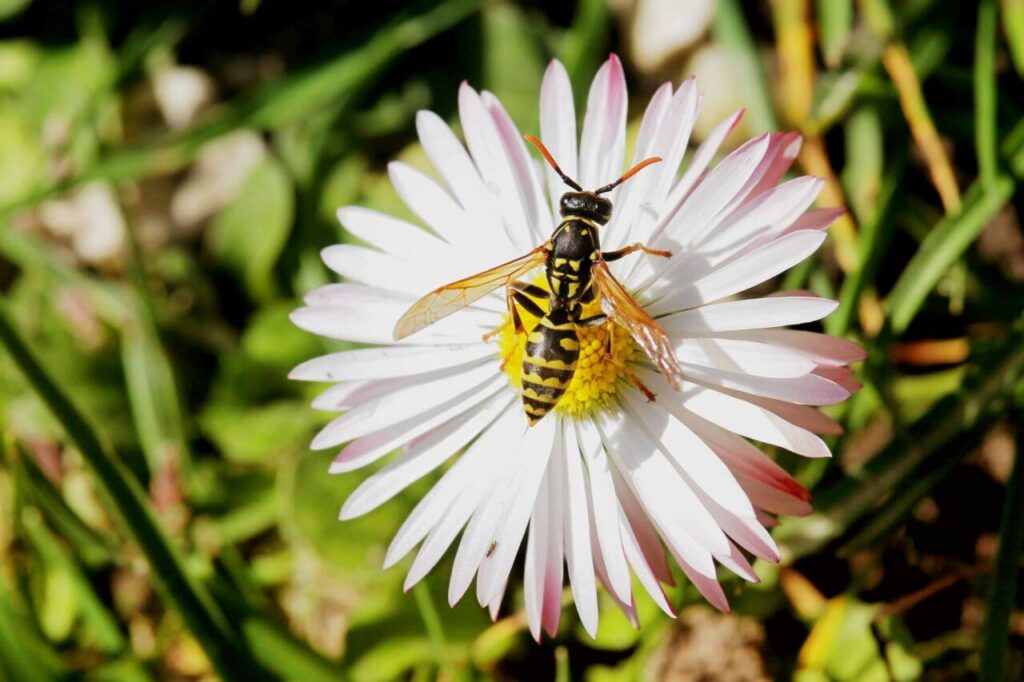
(160,514)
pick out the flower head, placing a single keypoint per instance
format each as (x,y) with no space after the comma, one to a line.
(609,479)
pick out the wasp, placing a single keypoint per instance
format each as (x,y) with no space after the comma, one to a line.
(576,270)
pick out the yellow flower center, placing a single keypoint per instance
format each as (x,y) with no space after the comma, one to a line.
(600,366)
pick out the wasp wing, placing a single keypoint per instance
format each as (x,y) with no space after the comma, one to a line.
(622,309)
(445,300)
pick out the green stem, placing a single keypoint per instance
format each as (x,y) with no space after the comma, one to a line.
(129,507)
(432,624)
(1003,590)
(985,92)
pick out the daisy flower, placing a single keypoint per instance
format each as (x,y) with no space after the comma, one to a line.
(608,481)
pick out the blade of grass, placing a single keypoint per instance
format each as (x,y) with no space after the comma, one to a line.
(149,377)
(915,110)
(835,23)
(975,406)
(1002,594)
(104,627)
(795,48)
(128,505)
(1012,12)
(340,79)
(24,654)
(731,30)
(435,630)
(584,44)
(985,92)
(942,247)
(92,548)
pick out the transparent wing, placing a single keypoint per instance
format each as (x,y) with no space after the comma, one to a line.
(445,300)
(623,310)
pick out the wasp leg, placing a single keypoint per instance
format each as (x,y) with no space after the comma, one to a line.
(610,256)
(594,321)
(648,393)
(518,292)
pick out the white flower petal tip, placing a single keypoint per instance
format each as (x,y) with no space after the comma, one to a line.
(607,490)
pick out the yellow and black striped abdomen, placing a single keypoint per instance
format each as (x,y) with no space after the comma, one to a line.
(552,349)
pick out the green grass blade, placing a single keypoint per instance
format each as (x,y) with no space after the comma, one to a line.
(584,44)
(835,23)
(970,410)
(985,92)
(730,29)
(335,82)
(942,247)
(104,628)
(128,505)
(1012,12)
(1002,592)
(149,378)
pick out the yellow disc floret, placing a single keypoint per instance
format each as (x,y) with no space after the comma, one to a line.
(601,365)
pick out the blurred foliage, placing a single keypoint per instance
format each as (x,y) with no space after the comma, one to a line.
(168,175)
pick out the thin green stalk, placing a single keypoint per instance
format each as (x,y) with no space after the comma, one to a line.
(1012,12)
(129,507)
(835,23)
(434,628)
(1002,593)
(985,92)
(942,247)
(562,671)
(731,30)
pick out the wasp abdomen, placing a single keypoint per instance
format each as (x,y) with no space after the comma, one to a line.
(552,349)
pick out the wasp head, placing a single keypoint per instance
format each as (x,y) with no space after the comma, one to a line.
(585,205)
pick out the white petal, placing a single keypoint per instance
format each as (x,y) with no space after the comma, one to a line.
(495,167)
(421,457)
(748,532)
(477,244)
(645,534)
(533,570)
(578,550)
(742,273)
(756,359)
(809,389)
(821,348)
(370,448)
(683,522)
(603,144)
(471,475)
(403,404)
(700,466)
(755,313)
(558,127)
(392,235)
(605,520)
(388,361)
(643,570)
(750,420)
(528,182)
(540,444)
(507,507)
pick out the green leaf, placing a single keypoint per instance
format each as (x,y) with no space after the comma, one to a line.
(128,504)
(248,235)
(944,245)
(259,433)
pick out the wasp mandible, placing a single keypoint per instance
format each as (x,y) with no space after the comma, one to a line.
(576,271)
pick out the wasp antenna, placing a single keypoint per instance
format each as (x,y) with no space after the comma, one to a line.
(551,160)
(628,174)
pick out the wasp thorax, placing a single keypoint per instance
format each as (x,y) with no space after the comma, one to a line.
(586,205)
